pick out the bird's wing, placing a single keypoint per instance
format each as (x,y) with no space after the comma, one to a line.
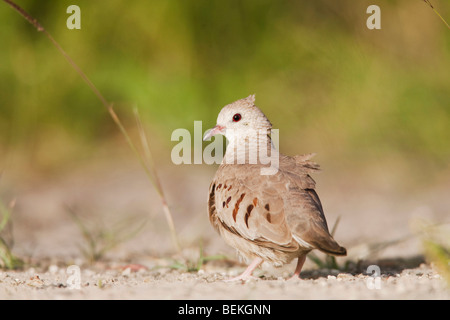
(280,211)
(304,212)
(251,206)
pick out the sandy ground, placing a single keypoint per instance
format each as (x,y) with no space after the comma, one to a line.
(56,283)
(377,227)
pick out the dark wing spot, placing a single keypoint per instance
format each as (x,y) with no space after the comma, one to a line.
(255,201)
(247,214)
(212,201)
(219,186)
(223,204)
(268,217)
(236,206)
(267,207)
(228,201)
(229,188)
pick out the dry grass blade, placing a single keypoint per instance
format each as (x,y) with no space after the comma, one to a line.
(333,231)
(435,11)
(99,240)
(29,18)
(91,251)
(155,180)
(147,165)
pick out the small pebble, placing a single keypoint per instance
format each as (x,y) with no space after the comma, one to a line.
(126,272)
(53,269)
(35,281)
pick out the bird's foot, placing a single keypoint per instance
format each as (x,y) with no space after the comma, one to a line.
(247,274)
(294,277)
(298,269)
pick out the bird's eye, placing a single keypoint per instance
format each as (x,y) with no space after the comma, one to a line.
(237,117)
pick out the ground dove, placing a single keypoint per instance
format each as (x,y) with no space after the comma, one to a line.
(273,215)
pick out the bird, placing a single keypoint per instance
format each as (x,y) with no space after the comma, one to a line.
(274,216)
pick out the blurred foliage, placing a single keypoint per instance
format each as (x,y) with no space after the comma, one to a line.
(318,73)
(8,260)
(98,240)
(435,238)
(440,256)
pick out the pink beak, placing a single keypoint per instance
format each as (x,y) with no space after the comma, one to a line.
(216,130)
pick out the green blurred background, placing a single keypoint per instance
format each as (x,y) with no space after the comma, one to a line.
(360,98)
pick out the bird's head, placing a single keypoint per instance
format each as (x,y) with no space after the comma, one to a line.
(238,118)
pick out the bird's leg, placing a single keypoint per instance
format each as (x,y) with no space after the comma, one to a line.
(247,274)
(298,269)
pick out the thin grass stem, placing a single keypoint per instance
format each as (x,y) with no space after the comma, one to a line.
(148,166)
(435,11)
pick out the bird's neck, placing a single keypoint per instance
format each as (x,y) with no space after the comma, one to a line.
(250,147)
